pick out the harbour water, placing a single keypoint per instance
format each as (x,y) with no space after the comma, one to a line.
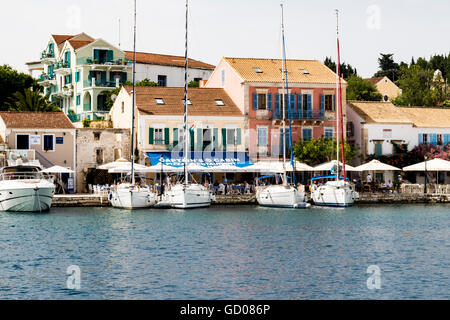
(227,253)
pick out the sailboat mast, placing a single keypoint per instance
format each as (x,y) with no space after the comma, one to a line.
(283,98)
(186,65)
(337,102)
(341,112)
(133,179)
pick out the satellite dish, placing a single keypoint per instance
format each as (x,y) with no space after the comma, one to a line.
(113,97)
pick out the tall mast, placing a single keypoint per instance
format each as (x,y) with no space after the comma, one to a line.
(283,99)
(340,112)
(186,65)
(133,180)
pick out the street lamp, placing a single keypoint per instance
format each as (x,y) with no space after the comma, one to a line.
(426,190)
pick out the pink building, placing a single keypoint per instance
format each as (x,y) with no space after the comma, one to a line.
(255,86)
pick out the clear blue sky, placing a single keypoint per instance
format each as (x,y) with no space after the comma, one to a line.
(241,28)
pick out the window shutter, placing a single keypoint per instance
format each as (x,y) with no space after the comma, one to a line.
(151,133)
(175,137)
(111,77)
(96,55)
(434,139)
(103,77)
(322,104)
(238,136)
(292,105)
(334,102)
(446,139)
(224,139)
(277,105)
(166,136)
(191,135)
(199,139)
(255,101)
(300,105)
(269,102)
(216,139)
(124,77)
(91,75)
(378,149)
(309,102)
(420,139)
(110,55)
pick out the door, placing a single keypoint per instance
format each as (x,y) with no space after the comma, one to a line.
(23,142)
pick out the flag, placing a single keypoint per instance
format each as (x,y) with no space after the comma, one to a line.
(192,128)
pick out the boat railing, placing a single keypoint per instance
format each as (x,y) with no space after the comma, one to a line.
(21,176)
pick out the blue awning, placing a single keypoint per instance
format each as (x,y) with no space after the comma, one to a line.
(207,159)
(327,177)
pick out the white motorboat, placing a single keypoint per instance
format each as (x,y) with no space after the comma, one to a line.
(129,194)
(281,196)
(337,193)
(285,195)
(24,189)
(186,195)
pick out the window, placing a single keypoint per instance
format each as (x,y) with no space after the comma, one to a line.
(159,101)
(162,81)
(425,138)
(220,102)
(439,140)
(262,101)
(198,79)
(99,156)
(159,136)
(304,71)
(378,148)
(307,134)
(257,70)
(207,138)
(386,98)
(23,142)
(263,137)
(188,102)
(329,102)
(329,133)
(350,130)
(97,136)
(123,107)
(231,136)
(48,142)
(77,76)
(78,100)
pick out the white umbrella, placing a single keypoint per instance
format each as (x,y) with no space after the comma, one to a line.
(226,167)
(118,163)
(165,168)
(376,165)
(431,165)
(127,168)
(57,169)
(299,166)
(329,165)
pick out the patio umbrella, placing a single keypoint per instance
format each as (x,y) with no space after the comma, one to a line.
(330,165)
(376,165)
(431,165)
(118,163)
(126,167)
(57,169)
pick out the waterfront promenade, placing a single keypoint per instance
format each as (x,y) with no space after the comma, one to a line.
(101,200)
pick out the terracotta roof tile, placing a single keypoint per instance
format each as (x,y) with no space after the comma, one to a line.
(36,120)
(379,112)
(299,71)
(374,81)
(61,38)
(425,117)
(167,60)
(76,44)
(203,101)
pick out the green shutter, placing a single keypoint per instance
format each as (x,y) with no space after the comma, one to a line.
(238,136)
(199,139)
(224,139)
(166,136)
(97,55)
(175,137)
(151,133)
(378,149)
(110,55)
(216,139)
(191,134)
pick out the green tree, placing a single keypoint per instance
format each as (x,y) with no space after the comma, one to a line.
(31,100)
(346,70)
(12,81)
(194,84)
(362,90)
(146,83)
(388,67)
(316,151)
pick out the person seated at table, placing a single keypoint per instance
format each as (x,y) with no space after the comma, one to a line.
(358,185)
(390,185)
(246,187)
(369,178)
(383,187)
(221,188)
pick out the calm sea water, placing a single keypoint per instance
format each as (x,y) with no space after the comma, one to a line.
(227,253)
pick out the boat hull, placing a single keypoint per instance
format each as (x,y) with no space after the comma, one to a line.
(132,198)
(27,196)
(187,197)
(334,194)
(281,197)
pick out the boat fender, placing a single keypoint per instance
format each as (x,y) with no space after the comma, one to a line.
(110,196)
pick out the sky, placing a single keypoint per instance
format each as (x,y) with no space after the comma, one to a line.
(235,28)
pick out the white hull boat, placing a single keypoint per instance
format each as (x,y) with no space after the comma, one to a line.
(280,196)
(23,189)
(186,197)
(127,196)
(335,194)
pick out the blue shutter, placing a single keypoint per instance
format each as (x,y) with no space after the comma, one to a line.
(446,139)
(434,139)
(300,106)
(277,105)
(269,101)
(255,101)
(420,139)
(334,102)
(322,104)
(224,140)
(110,55)
(292,105)
(309,106)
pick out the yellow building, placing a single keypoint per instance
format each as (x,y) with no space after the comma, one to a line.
(386,87)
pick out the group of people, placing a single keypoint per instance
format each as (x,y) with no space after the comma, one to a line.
(224,188)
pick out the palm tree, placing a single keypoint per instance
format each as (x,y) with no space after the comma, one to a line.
(31,100)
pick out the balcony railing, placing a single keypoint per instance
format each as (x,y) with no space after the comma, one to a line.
(91,61)
(45,77)
(301,115)
(101,84)
(61,65)
(45,54)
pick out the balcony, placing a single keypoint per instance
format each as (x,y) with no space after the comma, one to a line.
(48,57)
(119,64)
(65,92)
(301,115)
(62,67)
(91,115)
(47,80)
(101,84)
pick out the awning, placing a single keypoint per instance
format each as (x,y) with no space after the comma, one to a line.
(204,159)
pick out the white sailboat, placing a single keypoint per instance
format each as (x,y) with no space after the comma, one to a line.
(24,189)
(338,193)
(186,195)
(129,194)
(285,195)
